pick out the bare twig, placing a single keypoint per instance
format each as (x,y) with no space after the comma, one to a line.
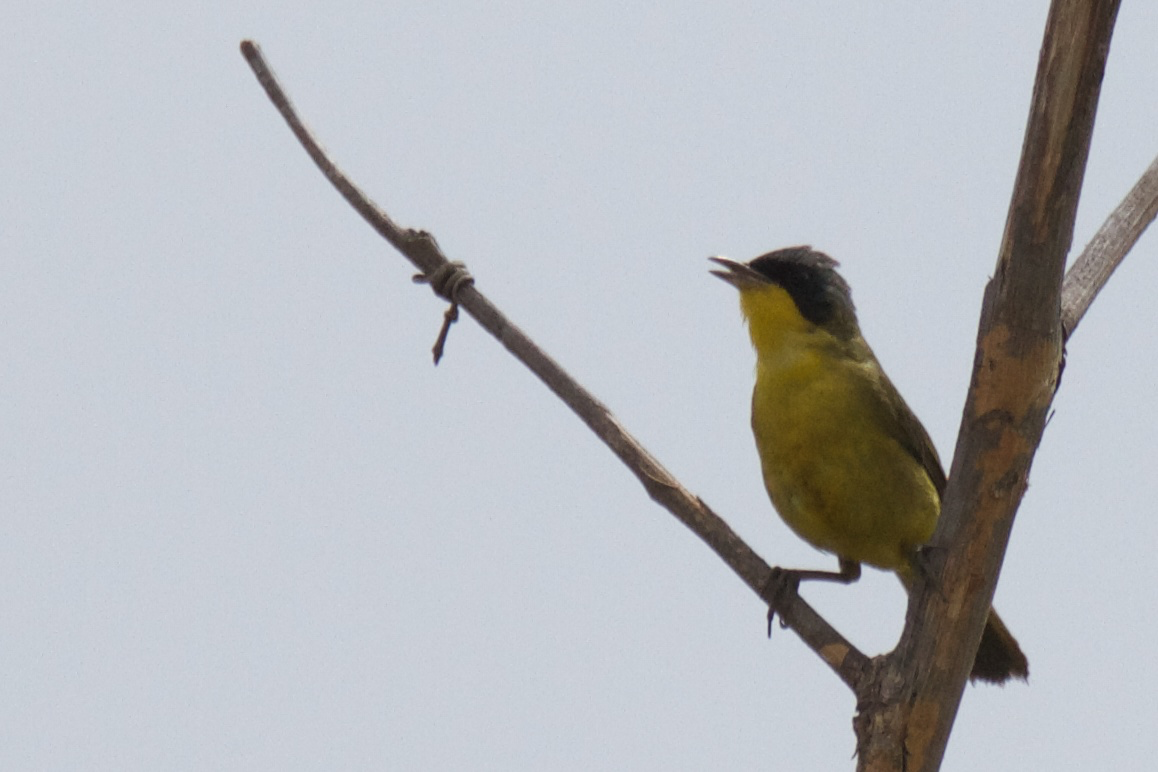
(1108,247)
(422,250)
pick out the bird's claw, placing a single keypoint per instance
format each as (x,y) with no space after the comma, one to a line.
(927,561)
(782,585)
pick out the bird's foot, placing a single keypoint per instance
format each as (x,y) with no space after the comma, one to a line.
(782,586)
(927,563)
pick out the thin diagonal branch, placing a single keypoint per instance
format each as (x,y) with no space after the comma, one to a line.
(1108,248)
(378,219)
(422,250)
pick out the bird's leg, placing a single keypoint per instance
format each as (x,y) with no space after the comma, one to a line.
(849,572)
(784,583)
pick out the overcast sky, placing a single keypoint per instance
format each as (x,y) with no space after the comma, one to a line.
(246,525)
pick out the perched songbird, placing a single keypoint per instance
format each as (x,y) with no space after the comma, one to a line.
(847,465)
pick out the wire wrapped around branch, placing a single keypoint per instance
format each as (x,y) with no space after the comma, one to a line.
(446,280)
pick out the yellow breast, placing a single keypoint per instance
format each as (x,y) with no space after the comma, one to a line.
(832,463)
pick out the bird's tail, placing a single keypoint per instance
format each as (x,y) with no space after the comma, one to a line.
(998,658)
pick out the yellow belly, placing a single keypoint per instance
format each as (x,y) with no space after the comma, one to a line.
(833,469)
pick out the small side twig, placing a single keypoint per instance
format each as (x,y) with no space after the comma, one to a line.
(423,251)
(1109,246)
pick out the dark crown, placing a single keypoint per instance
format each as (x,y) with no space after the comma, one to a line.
(809,277)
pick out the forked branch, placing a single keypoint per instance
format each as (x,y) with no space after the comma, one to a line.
(891,689)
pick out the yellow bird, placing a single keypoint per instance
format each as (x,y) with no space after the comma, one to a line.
(847,465)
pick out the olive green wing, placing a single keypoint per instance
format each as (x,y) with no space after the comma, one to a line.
(907,429)
(896,418)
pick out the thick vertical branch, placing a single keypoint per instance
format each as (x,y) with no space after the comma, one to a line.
(1015,374)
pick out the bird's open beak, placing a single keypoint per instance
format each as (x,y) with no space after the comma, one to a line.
(739,275)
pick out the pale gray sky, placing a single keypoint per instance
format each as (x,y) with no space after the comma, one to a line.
(246,525)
